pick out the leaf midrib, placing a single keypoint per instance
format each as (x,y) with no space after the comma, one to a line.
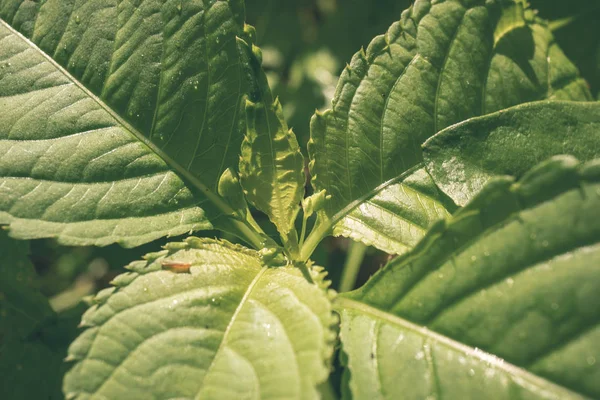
(245,230)
(324,227)
(341,303)
(122,123)
(232,321)
(275,170)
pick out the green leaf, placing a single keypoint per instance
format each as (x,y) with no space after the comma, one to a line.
(464,157)
(224,327)
(442,63)
(119,119)
(272,166)
(498,302)
(397,217)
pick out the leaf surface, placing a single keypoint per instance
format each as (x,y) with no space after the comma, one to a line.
(442,63)
(272,166)
(225,326)
(464,157)
(507,290)
(397,217)
(119,119)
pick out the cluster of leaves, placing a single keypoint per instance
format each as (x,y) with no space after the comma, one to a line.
(462,140)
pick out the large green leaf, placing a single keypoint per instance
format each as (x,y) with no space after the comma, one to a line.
(501,301)
(227,328)
(118,118)
(464,157)
(442,63)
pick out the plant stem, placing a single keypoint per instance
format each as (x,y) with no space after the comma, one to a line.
(303,231)
(319,231)
(324,227)
(356,254)
(305,272)
(249,234)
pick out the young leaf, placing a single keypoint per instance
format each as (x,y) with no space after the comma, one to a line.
(231,190)
(442,63)
(272,166)
(118,119)
(224,327)
(575,27)
(507,290)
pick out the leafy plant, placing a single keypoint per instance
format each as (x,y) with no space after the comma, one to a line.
(462,140)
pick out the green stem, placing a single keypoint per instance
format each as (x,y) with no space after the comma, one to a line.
(317,234)
(248,233)
(303,231)
(324,227)
(356,254)
(305,272)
